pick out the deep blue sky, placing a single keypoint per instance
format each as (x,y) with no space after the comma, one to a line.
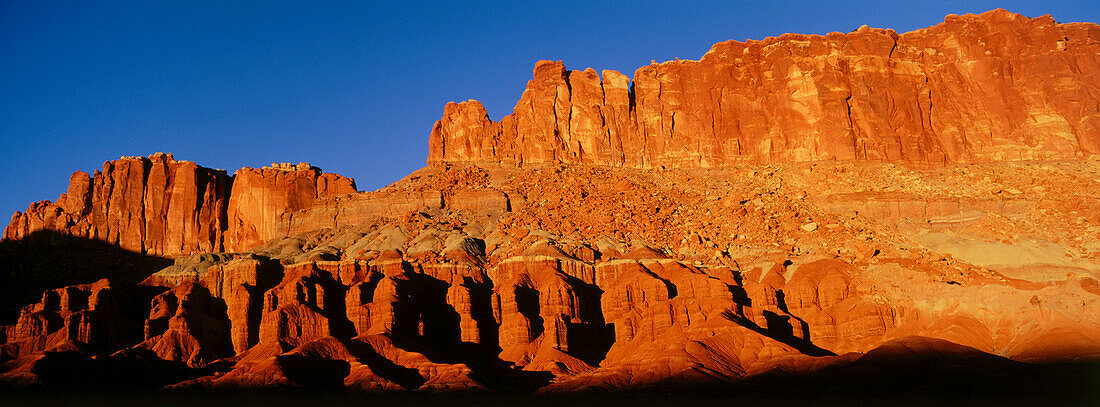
(352,88)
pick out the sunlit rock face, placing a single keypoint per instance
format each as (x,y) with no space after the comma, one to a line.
(976,88)
(164,207)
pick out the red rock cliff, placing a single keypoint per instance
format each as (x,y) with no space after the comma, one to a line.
(164,207)
(976,88)
(260,196)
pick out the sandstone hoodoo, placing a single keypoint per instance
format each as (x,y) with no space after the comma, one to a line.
(807,212)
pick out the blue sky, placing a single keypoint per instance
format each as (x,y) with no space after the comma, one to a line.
(352,87)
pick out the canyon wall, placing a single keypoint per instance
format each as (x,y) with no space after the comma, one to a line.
(975,88)
(164,207)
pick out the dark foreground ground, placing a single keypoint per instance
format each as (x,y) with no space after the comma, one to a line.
(658,399)
(945,384)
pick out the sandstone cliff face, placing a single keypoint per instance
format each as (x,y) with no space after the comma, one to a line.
(976,88)
(164,207)
(154,205)
(261,196)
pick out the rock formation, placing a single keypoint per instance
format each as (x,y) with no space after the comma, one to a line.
(161,206)
(976,88)
(557,275)
(260,196)
(89,317)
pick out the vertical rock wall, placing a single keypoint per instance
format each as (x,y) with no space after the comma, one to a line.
(976,88)
(163,207)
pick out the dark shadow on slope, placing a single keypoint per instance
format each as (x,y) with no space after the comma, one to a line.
(484,362)
(527,303)
(46,259)
(791,319)
(781,301)
(481,310)
(498,375)
(117,322)
(136,369)
(931,371)
(270,274)
(407,377)
(440,321)
(314,372)
(592,338)
(336,312)
(780,328)
(209,320)
(740,296)
(668,284)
